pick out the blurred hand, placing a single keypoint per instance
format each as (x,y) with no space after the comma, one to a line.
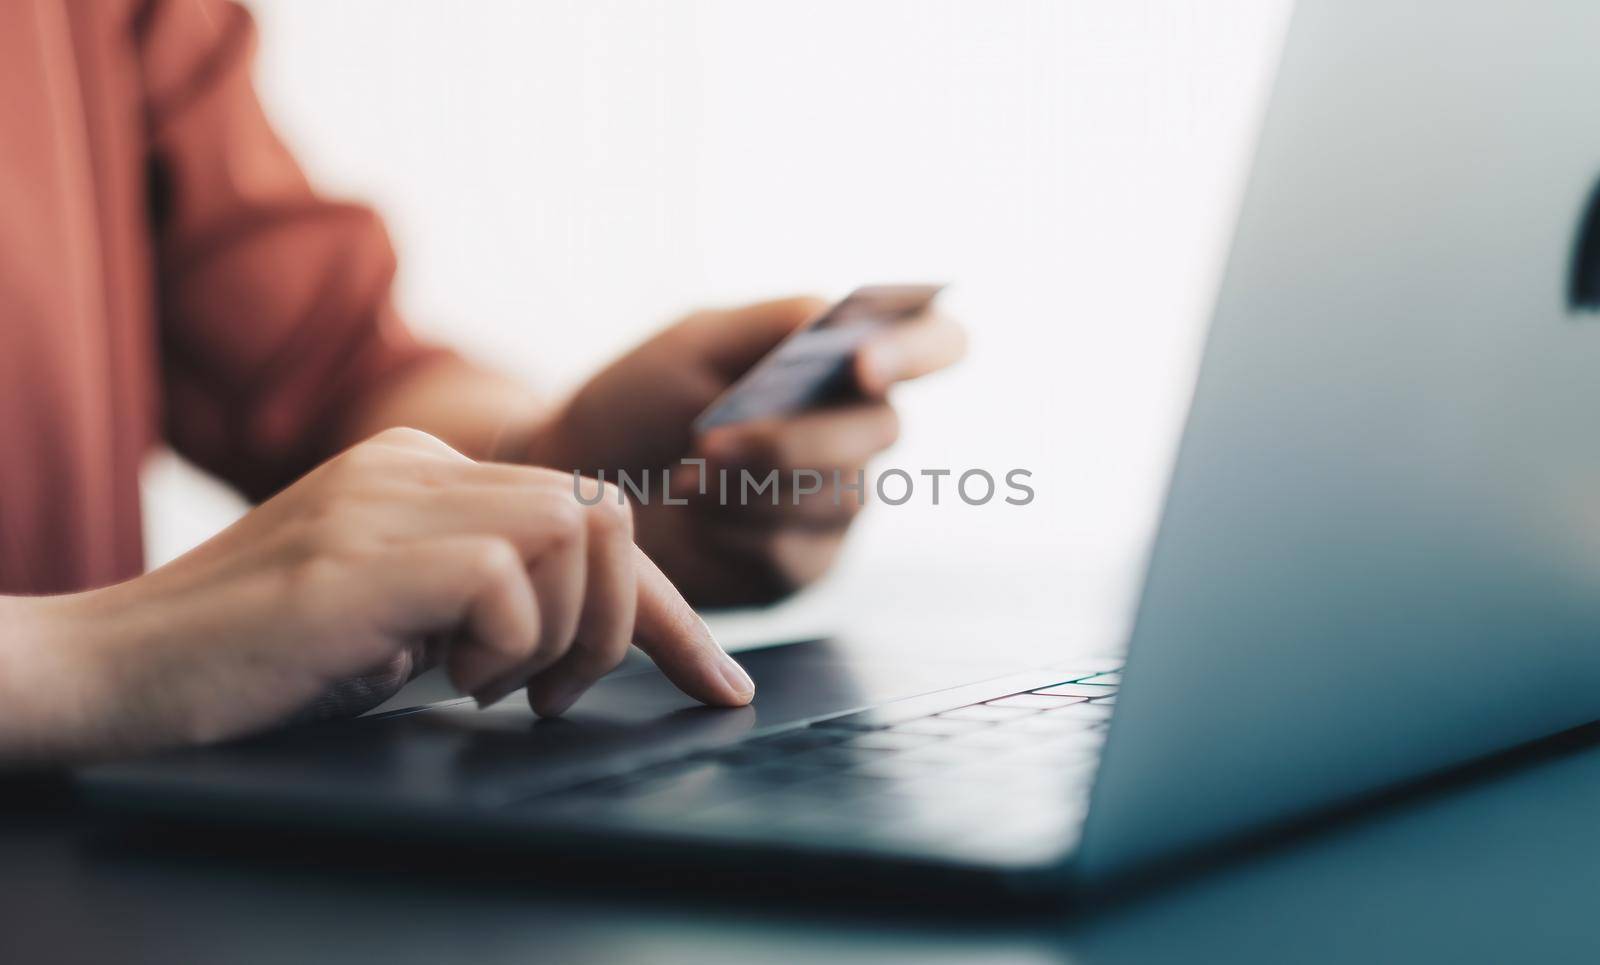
(635,416)
(398,553)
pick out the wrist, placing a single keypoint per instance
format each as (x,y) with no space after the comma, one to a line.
(49,674)
(540,442)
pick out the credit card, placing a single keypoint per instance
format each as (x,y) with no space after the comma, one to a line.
(814,366)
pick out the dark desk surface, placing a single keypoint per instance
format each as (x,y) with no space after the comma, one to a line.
(1504,868)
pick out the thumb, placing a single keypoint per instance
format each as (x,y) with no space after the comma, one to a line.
(733,339)
(476,584)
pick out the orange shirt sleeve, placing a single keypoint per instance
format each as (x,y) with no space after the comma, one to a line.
(276,316)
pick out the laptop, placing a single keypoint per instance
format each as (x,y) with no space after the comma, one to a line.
(1378,557)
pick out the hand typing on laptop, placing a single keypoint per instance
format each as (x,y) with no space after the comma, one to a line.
(393,555)
(403,552)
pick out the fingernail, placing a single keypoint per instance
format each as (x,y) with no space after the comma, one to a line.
(743,687)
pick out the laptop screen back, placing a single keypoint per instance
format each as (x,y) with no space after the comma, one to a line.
(1380,551)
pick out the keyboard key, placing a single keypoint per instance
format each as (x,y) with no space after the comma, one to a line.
(1076,690)
(1103,701)
(1109,679)
(1034,701)
(986,712)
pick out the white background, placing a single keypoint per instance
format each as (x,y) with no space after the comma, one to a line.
(563,176)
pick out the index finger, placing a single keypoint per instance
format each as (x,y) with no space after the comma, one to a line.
(673,635)
(909,350)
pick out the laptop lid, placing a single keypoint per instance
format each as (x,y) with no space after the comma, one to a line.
(1380,550)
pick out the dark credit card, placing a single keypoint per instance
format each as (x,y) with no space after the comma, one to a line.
(813,366)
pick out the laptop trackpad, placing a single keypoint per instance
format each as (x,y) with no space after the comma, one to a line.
(793,682)
(452,753)
(637,715)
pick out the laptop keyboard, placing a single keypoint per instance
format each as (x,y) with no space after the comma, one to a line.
(1008,773)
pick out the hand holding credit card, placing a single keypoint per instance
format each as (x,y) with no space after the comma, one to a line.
(813,366)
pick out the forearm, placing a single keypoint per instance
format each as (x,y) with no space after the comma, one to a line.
(481,413)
